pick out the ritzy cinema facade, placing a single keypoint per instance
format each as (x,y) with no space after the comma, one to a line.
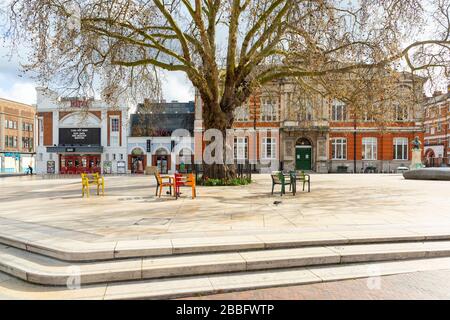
(79,136)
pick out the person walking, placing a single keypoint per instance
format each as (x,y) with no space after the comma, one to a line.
(30,169)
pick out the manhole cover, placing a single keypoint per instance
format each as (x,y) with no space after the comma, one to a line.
(152,222)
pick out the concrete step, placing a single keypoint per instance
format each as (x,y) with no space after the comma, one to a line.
(13,288)
(43,270)
(79,251)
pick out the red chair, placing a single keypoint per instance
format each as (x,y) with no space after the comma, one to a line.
(185,181)
(179,182)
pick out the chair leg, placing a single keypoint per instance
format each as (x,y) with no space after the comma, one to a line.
(273,187)
(157,188)
(309,186)
(160,190)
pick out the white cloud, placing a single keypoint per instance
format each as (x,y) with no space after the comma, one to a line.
(176,86)
(20,91)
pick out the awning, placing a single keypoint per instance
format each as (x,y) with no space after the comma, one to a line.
(76,149)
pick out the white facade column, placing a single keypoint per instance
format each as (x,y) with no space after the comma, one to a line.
(124,128)
(125,133)
(55,127)
(104,138)
(104,131)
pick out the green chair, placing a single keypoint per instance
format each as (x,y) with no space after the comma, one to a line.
(278,178)
(304,178)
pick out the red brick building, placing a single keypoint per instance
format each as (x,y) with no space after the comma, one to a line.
(301,131)
(256,129)
(17,143)
(437,129)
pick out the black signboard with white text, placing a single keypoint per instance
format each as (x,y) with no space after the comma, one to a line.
(80,136)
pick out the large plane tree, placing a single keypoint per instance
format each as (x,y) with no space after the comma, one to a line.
(227,48)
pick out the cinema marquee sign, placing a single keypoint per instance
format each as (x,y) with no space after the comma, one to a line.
(79,136)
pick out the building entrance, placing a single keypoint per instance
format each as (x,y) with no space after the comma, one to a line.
(76,164)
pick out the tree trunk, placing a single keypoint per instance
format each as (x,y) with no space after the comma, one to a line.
(215,118)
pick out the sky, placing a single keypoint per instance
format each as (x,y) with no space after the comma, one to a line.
(18,86)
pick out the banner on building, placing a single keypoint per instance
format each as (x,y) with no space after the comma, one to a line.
(80,136)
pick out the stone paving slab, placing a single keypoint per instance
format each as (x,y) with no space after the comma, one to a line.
(210,244)
(262,280)
(287,258)
(286,240)
(160,289)
(144,248)
(192,265)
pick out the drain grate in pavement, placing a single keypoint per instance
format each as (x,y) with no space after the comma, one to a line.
(152,222)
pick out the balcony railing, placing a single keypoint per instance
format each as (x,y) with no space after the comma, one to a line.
(306,124)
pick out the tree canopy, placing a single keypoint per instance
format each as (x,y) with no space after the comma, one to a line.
(227,48)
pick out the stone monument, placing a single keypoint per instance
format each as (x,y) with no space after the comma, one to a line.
(416,162)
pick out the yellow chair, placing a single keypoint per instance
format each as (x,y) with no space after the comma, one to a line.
(86,182)
(100,182)
(84,185)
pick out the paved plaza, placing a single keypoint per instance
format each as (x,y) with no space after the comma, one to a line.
(53,208)
(411,286)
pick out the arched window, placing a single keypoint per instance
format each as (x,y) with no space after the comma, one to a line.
(161,152)
(137,152)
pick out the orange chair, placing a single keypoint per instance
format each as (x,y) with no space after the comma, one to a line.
(161,183)
(185,181)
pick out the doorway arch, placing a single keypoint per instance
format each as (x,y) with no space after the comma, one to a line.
(161,160)
(137,160)
(303,154)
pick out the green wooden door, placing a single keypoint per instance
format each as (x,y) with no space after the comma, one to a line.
(303,158)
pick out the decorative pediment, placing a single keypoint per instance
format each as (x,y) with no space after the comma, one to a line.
(80,119)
